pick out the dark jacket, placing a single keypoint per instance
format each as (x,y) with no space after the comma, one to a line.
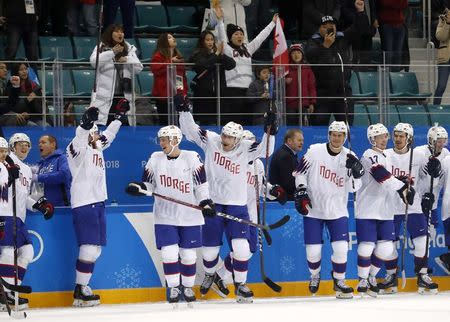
(259,104)
(314,10)
(348,12)
(12,93)
(283,163)
(329,78)
(54,173)
(16,15)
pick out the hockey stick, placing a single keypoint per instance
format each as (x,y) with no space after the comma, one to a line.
(405,240)
(16,288)
(97,54)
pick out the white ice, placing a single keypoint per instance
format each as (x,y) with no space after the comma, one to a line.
(400,307)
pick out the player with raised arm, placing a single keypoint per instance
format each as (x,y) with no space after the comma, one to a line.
(88,194)
(226,160)
(324,177)
(179,174)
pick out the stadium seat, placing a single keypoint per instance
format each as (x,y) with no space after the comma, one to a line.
(392,115)
(67,82)
(186,46)
(83,81)
(52,47)
(373,113)
(190,74)
(368,82)
(405,86)
(354,84)
(147,48)
(145,78)
(414,114)
(84,46)
(439,114)
(183,19)
(152,18)
(20,54)
(360,117)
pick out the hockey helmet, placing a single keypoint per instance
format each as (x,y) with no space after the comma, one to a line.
(247,135)
(171,131)
(436,132)
(18,137)
(337,126)
(233,129)
(3,143)
(375,130)
(405,128)
(93,130)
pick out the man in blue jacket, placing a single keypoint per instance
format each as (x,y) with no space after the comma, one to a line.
(53,172)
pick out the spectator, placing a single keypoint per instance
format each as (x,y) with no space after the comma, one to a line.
(284,162)
(294,100)
(324,48)
(167,53)
(87,9)
(437,8)
(206,56)
(234,13)
(53,172)
(127,10)
(392,29)
(238,79)
(10,90)
(313,11)
(118,63)
(258,94)
(256,14)
(443,35)
(56,11)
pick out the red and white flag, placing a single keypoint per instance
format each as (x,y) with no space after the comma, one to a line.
(280,49)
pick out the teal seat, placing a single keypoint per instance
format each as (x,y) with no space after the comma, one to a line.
(392,115)
(439,114)
(360,117)
(354,84)
(147,48)
(83,81)
(190,74)
(373,113)
(368,82)
(414,114)
(182,18)
(84,46)
(405,86)
(152,18)
(186,46)
(20,54)
(67,82)
(145,78)
(56,47)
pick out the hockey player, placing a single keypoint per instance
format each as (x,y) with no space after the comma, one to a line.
(19,147)
(324,177)
(88,195)
(226,159)
(399,158)
(374,212)
(179,174)
(444,260)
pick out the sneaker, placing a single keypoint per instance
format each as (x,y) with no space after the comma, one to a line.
(84,297)
(206,284)
(314,283)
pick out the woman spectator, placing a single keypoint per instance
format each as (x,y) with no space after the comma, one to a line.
(308,94)
(205,57)
(117,64)
(166,53)
(443,35)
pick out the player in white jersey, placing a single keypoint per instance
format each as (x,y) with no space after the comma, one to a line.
(255,180)
(88,195)
(178,174)
(399,158)
(226,160)
(324,177)
(19,145)
(374,211)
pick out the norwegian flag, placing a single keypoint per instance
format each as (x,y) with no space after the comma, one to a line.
(280,49)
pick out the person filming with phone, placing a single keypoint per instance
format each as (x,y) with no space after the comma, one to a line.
(443,60)
(326,48)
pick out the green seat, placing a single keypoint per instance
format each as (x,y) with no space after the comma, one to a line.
(354,84)
(56,47)
(84,46)
(182,18)
(83,81)
(414,114)
(373,113)
(148,47)
(186,46)
(152,18)
(145,78)
(439,114)
(49,76)
(392,115)
(405,86)
(368,82)
(360,117)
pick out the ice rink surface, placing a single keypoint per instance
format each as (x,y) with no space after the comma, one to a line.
(400,307)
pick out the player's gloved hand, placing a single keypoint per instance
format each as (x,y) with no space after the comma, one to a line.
(278,192)
(208,208)
(45,207)
(427,202)
(13,170)
(182,103)
(89,117)
(2,228)
(406,195)
(433,167)
(122,107)
(270,120)
(354,165)
(302,201)
(404,179)
(138,189)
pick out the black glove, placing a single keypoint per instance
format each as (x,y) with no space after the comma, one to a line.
(433,167)
(405,195)
(133,189)
(405,180)
(302,201)
(13,170)
(122,107)
(2,228)
(182,103)
(45,207)
(208,208)
(270,119)
(278,192)
(89,117)
(354,165)
(427,202)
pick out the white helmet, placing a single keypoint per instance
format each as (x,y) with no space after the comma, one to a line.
(405,128)
(171,131)
(247,135)
(337,126)
(375,130)
(233,129)
(436,132)
(18,137)
(3,143)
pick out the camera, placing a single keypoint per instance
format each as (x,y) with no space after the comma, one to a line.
(443,16)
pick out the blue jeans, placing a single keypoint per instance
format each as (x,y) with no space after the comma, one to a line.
(392,39)
(443,73)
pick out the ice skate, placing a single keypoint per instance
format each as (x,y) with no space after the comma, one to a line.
(343,291)
(206,284)
(389,285)
(426,285)
(373,287)
(314,284)
(23,302)
(189,296)
(444,262)
(83,296)
(174,296)
(243,293)
(220,287)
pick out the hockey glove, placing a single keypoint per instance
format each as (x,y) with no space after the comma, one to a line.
(182,103)
(2,229)
(354,165)
(44,206)
(405,195)
(302,201)
(89,117)
(13,170)
(122,107)
(209,208)
(427,203)
(278,192)
(270,120)
(137,189)
(405,180)
(433,167)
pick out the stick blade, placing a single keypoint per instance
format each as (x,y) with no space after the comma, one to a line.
(280,222)
(18,314)
(403,279)
(275,287)
(17,288)
(267,237)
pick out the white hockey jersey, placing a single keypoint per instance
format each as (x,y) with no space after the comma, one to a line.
(23,189)
(445,210)
(328,181)
(5,194)
(182,178)
(87,166)
(226,172)
(375,199)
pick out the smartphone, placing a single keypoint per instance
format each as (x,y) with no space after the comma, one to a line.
(330,31)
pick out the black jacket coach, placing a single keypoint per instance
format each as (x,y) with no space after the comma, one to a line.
(283,163)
